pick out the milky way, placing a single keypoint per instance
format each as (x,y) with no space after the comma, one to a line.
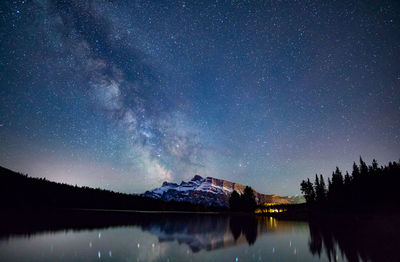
(126,94)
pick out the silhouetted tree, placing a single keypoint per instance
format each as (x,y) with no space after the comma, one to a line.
(308,191)
(249,200)
(320,189)
(363,168)
(234,201)
(316,186)
(356,171)
(347,179)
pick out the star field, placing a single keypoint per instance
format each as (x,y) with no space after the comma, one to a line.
(126,94)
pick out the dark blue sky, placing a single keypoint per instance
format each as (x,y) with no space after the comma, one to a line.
(126,94)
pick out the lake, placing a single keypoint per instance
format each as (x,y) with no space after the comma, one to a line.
(125,236)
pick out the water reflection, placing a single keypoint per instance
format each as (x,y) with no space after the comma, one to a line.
(121,236)
(353,239)
(245,226)
(197,231)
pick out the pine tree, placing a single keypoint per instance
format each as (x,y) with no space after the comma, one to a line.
(248,200)
(316,186)
(307,189)
(347,179)
(321,190)
(363,168)
(356,171)
(234,201)
(337,180)
(329,192)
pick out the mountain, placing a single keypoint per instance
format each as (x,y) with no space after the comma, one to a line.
(297,199)
(18,192)
(207,191)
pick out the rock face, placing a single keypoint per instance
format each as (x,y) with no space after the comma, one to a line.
(207,191)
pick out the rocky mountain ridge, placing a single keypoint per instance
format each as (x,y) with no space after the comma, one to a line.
(207,191)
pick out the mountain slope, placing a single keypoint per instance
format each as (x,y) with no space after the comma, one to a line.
(207,191)
(19,191)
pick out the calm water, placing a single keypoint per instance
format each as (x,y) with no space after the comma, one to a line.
(178,237)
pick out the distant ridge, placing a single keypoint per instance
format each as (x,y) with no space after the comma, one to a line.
(208,191)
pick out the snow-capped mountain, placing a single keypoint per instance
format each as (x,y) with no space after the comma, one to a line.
(207,191)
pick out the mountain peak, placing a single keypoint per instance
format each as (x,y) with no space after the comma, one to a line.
(166,183)
(197,178)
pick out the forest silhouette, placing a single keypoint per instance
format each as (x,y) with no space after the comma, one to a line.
(368,186)
(245,202)
(18,191)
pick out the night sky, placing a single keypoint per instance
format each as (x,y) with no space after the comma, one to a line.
(126,94)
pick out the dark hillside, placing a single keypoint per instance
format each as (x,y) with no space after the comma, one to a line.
(21,191)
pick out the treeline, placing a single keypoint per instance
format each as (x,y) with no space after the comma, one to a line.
(245,202)
(366,186)
(19,191)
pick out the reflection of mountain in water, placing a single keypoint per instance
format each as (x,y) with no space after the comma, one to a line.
(207,232)
(198,231)
(355,239)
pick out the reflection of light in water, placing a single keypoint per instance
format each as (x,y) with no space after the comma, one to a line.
(217,237)
(99,235)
